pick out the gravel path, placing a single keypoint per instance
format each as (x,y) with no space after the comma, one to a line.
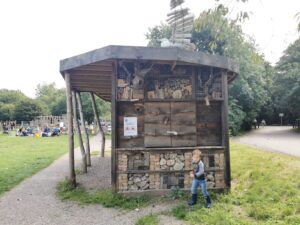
(280,139)
(34,201)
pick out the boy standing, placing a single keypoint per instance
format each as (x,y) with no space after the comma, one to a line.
(199,179)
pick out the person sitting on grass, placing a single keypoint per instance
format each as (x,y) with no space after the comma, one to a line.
(22,132)
(55,131)
(199,179)
(46,131)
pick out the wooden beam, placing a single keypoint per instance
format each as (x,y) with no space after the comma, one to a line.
(103,63)
(92,85)
(79,72)
(225,135)
(102,136)
(95,68)
(90,78)
(82,150)
(87,144)
(173,65)
(87,89)
(72,176)
(113,128)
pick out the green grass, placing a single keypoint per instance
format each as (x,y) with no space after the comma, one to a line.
(21,157)
(150,219)
(265,190)
(104,197)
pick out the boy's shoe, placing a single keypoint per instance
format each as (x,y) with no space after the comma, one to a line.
(208,202)
(193,201)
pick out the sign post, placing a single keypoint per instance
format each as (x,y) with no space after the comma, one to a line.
(281,115)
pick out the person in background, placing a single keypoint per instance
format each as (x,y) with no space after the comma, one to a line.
(55,131)
(46,131)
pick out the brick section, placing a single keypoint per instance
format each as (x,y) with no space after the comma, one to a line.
(122,162)
(123,182)
(219,160)
(219,179)
(187,180)
(188,161)
(154,181)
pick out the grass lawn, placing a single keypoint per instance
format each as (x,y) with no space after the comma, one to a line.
(21,157)
(265,190)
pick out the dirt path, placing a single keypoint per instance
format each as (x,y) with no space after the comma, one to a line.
(34,201)
(274,138)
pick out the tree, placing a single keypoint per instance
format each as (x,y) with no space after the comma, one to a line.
(7,112)
(287,83)
(27,109)
(156,33)
(214,33)
(8,101)
(52,98)
(104,107)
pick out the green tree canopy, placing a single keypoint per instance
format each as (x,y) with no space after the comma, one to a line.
(8,101)
(27,109)
(52,98)
(287,83)
(214,33)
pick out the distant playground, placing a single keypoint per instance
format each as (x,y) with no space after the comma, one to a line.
(47,126)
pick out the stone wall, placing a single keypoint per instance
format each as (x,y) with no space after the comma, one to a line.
(138,182)
(171,161)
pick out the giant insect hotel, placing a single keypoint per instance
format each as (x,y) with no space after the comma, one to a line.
(165,102)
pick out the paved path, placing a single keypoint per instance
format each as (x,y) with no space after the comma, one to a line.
(34,201)
(273,138)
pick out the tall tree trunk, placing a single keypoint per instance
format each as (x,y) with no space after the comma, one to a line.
(83,155)
(72,176)
(102,136)
(87,146)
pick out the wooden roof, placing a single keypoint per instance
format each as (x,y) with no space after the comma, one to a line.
(92,71)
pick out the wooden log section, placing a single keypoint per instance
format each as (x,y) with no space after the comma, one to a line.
(96,114)
(72,176)
(82,150)
(87,142)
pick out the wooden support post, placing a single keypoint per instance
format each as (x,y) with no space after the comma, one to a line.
(113,128)
(87,145)
(225,134)
(72,176)
(83,155)
(102,136)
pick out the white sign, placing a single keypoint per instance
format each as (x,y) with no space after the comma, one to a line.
(130,126)
(281,114)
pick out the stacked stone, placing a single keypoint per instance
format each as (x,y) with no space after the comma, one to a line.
(210,180)
(172,161)
(138,182)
